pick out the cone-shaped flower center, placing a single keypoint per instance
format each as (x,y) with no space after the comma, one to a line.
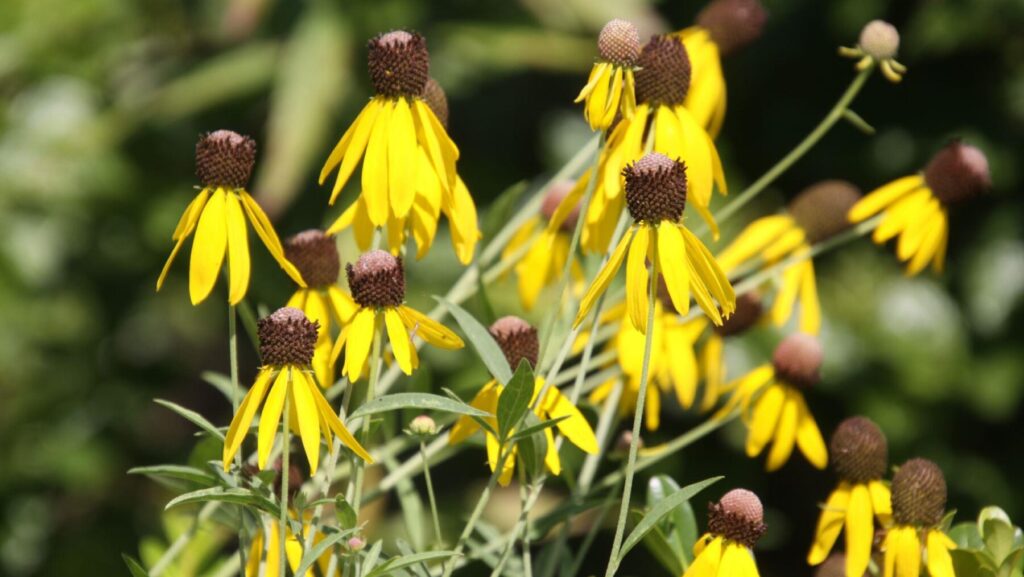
(437,100)
(664,75)
(399,63)
(859,450)
(225,158)
(880,40)
(958,172)
(797,360)
(748,312)
(377,280)
(738,516)
(315,255)
(287,338)
(556,194)
(517,339)
(821,208)
(733,23)
(918,494)
(619,43)
(655,188)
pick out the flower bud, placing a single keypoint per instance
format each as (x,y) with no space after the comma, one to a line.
(655,188)
(737,516)
(879,40)
(287,338)
(918,494)
(225,158)
(797,360)
(356,544)
(733,23)
(423,426)
(377,280)
(399,63)
(315,255)
(859,450)
(619,43)
(821,209)
(958,172)
(517,339)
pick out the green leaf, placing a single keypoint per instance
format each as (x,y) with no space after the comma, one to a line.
(659,546)
(858,122)
(395,563)
(181,472)
(420,569)
(236,496)
(136,568)
(193,416)
(500,211)
(969,564)
(532,448)
(346,515)
(966,536)
(660,510)
(680,527)
(535,426)
(372,555)
(997,532)
(514,400)
(222,383)
(479,420)
(317,550)
(418,401)
(486,347)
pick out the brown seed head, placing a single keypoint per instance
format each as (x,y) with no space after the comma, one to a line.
(958,172)
(797,360)
(821,209)
(399,63)
(437,100)
(556,194)
(619,43)
(879,40)
(517,339)
(664,75)
(737,516)
(655,188)
(918,494)
(315,255)
(733,23)
(225,158)
(287,338)
(859,451)
(377,280)
(748,312)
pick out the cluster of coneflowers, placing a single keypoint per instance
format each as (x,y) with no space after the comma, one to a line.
(657,108)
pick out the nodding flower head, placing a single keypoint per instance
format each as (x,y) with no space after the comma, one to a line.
(287,337)
(399,63)
(733,23)
(859,450)
(797,360)
(315,255)
(821,209)
(655,188)
(619,43)
(664,75)
(958,172)
(554,197)
(517,339)
(879,40)
(377,280)
(918,494)
(748,312)
(225,158)
(737,516)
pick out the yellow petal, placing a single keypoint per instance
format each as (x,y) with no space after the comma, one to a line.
(244,415)
(338,428)
(682,364)
(485,400)
(186,225)
(881,501)
(908,555)
(349,150)
(375,167)
(707,560)
(757,236)
(360,338)
(429,330)
(782,308)
(860,530)
(429,129)
(940,563)
(574,426)
(930,243)
(700,168)
(401,149)
(785,434)
(569,203)
(209,247)
(830,523)
(767,411)
(810,307)
(309,417)
(238,250)
(672,258)
(637,285)
(595,74)
(400,343)
(911,239)
(788,242)
(890,546)
(265,230)
(551,459)
(878,199)
(342,304)
(597,100)
(603,278)
(808,437)
(713,369)
(271,416)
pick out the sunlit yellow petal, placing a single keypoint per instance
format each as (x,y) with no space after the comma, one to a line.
(337,427)
(244,415)
(940,563)
(878,199)
(603,278)
(375,167)
(767,411)
(808,437)
(402,150)
(265,230)
(342,305)
(399,338)
(860,530)
(672,258)
(637,285)
(429,330)
(754,239)
(360,338)
(810,307)
(309,417)
(908,555)
(881,501)
(707,560)
(830,523)
(785,434)
(574,426)
(208,248)
(349,150)
(270,418)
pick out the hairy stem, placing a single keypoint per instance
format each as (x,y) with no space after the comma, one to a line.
(430,495)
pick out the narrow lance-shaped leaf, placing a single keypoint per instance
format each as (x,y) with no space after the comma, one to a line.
(515,399)
(660,510)
(395,563)
(481,339)
(418,401)
(193,416)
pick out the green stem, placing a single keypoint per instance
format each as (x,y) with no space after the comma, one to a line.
(638,416)
(375,361)
(285,453)
(233,360)
(794,155)
(430,494)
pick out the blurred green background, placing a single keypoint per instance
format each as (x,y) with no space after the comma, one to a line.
(101,102)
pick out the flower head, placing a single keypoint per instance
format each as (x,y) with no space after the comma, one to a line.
(399,63)
(918,505)
(918,494)
(287,337)
(218,216)
(664,75)
(315,255)
(797,360)
(377,280)
(915,208)
(517,339)
(879,42)
(610,90)
(735,523)
(733,24)
(423,426)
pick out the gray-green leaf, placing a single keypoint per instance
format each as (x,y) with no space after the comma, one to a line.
(515,399)
(193,416)
(660,510)
(481,339)
(418,401)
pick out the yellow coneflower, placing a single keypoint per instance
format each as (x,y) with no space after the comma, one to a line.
(816,214)
(662,83)
(377,281)
(390,128)
(722,28)
(879,43)
(545,258)
(656,195)
(711,357)
(432,199)
(316,257)
(518,340)
(773,406)
(735,524)
(268,537)
(611,89)
(287,341)
(673,364)
(860,456)
(914,208)
(918,505)
(224,161)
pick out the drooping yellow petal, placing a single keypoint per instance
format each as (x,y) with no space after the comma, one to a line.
(270,418)
(860,530)
(574,426)
(186,225)
(485,400)
(400,342)
(429,330)
(889,546)
(569,203)
(810,306)
(908,554)
(265,230)
(603,278)
(713,369)
(402,159)
(929,246)
(767,413)
(637,285)
(598,99)
(342,305)
(881,501)
(337,427)
(785,298)
(344,220)
(309,417)
(672,260)
(652,409)
(706,563)
(788,242)
(349,150)
(494,454)
(700,167)
(757,236)
(708,278)
(878,199)
(785,434)
(596,72)
(360,338)
(208,248)
(551,458)
(238,250)
(682,366)
(375,167)
(830,523)
(808,437)
(463,219)
(940,562)
(429,128)
(244,415)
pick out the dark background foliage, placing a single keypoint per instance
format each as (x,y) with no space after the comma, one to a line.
(100,105)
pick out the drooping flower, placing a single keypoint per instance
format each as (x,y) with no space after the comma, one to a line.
(518,341)
(735,524)
(611,89)
(918,505)
(217,216)
(287,342)
(772,404)
(432,199)
(377,281)
(879,43)
(656,196)
(723,27)
(316,257)
(547,248)
(915,208)
(816,214)
(860,456)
